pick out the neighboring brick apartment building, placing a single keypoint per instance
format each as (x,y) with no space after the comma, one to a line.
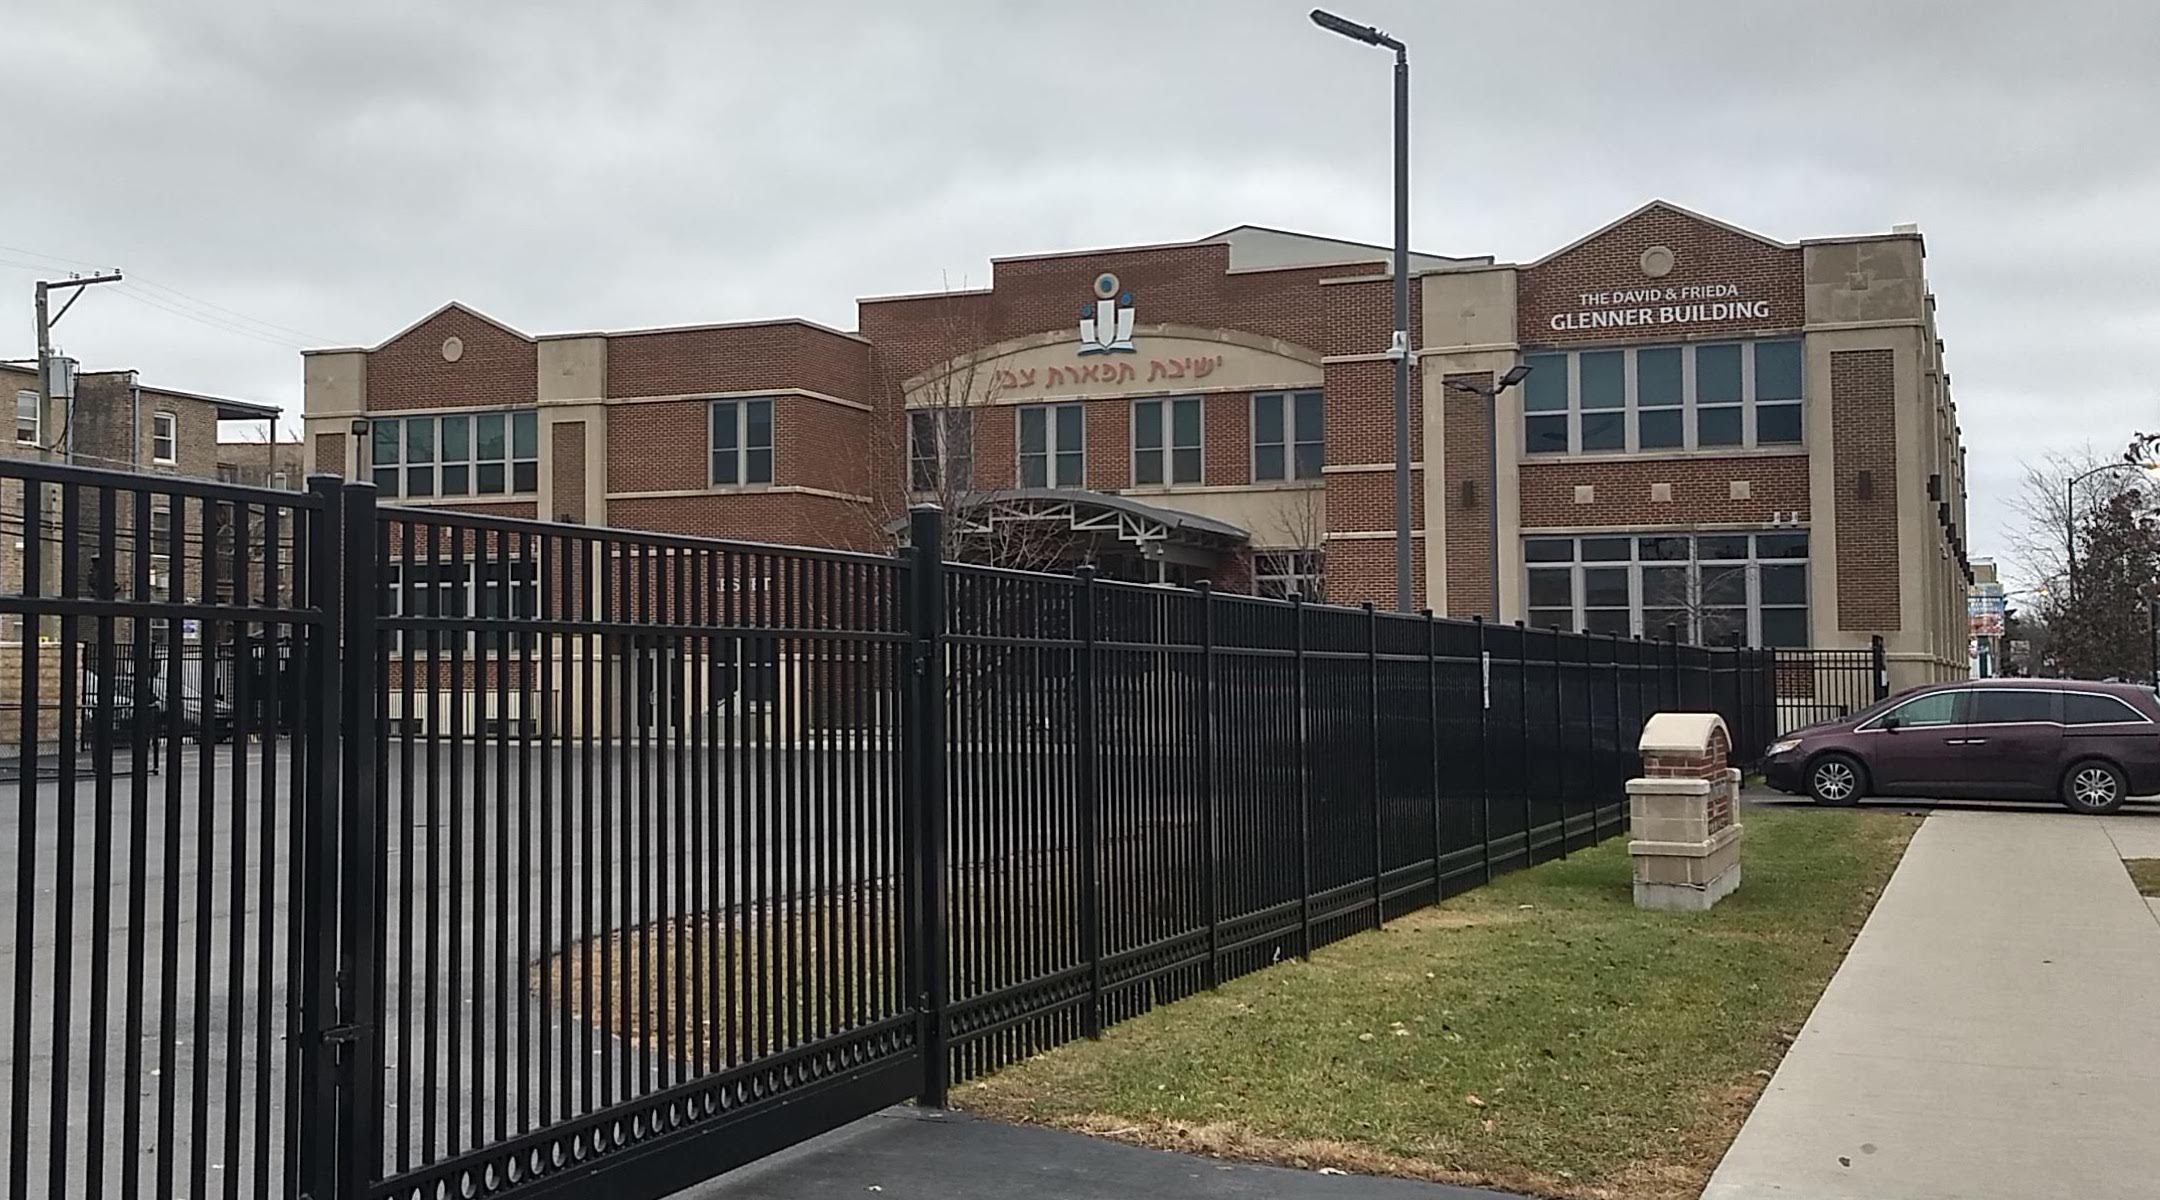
(1720,432)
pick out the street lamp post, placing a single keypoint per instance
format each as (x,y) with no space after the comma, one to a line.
(2070,509)
(1399,345)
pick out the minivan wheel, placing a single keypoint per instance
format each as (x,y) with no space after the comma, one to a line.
(1836,779)
(2094,786)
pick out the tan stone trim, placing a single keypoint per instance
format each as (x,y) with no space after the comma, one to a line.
(1634,527)
(1481,348)
(1187,489)
(752,489)
(1696,455)
(1842,326)
(1370,535)
(922,402)
(1375,356)
(1366,468)
(1052,337)
(799,322)
(746,393)
(463,502)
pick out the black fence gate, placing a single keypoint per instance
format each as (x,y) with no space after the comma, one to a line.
(526,856)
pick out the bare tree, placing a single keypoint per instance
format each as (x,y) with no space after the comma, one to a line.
(1300,533)
(2043,516)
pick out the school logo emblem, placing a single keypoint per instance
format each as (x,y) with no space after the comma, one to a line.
(1106,322)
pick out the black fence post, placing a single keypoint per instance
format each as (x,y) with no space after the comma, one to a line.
(1372,761)
(313,1003)
(1671,667)
(1304,777)
(1088,813)
(1522,742)
(1619,771)
(1881,663)
(928,982)
(365,856)
(1432,749)
(1560,738)
(1211,826)
(1484,752)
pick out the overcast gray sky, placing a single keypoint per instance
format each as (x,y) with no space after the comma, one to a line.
(323,174)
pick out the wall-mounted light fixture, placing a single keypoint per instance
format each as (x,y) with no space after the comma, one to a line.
(1864,485)
(1469,493)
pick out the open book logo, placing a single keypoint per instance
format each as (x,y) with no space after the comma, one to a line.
(1106,321)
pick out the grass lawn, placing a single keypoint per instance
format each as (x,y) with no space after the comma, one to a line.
(1540,1034)
(2145,873)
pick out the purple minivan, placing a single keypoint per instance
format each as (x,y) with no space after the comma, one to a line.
(2089,745)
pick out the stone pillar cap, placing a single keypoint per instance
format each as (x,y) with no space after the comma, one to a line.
(1681,733)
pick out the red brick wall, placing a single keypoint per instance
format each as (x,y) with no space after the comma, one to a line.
(1226,440)
(330,453)
(1360,405)
(568,447)
(1701,491)
(1863,437)
(497,370)
(1365,500)
(1109,444)
(1703,253)
(666,445)
(786,518)
(738,358)
(1467,429)
(1364,569)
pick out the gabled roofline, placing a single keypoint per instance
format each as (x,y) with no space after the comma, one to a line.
(459,305)
(1668,206)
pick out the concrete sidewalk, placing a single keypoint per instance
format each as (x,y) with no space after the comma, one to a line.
(907,1154)
(1995,1031)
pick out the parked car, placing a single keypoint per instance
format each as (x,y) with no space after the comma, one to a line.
(2089,745)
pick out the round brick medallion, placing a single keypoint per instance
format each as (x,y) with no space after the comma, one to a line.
(453,349)
(1657,262)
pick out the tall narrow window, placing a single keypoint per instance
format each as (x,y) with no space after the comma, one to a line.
(420,458)
(1604,400)
(1166,441)
(1288,432)
(164,438)
(385,451)
(742,445)
(1717,395)
(1658,398)
(941,449)
(1053,446)
(1777,392)
(29,421)
(1545,404)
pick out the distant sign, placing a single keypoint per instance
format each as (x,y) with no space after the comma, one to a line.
(1987,624)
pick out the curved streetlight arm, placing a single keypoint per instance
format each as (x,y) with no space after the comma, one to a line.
(2070,509)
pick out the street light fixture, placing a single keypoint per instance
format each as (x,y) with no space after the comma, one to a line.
(1513,376)
(1399,345)
(2070,508)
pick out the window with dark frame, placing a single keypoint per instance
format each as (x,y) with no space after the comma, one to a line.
(456,454)
(742,442)
(1641,398)
(1289,435)
(1166,442)
(941,449)
(1706,587)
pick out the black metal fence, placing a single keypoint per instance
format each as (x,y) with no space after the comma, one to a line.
(1827,685)
(605,854)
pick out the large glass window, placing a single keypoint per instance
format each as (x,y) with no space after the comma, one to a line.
(1282,573)
(164,437)
(1933,709)
(1651,398)
(2092,708)
(941,449)
(1053,446)
(1166,441)
(1705,588)
(490,590)
(464,454)
(742,441)
(2011,706)
(1287,430)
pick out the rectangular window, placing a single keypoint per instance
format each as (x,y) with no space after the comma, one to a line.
(1282,573)
(1603,399)
(1658,399)
(742,446)
(29,419)
(499,590)
(1287,435)
(1777,393)
(1053,445)
(468,454)
(1166,441)
(164,438)
(941,449)
(1545,404)
(1718,395)
(1702,588)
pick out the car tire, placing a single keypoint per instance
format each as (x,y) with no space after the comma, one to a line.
(1836,781)
(2094,786)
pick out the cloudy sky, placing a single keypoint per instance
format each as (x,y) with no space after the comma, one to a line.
(273,177)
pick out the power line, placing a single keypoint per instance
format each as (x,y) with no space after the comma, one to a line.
(170,294)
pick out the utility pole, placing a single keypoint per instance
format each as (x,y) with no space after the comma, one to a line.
(45,288)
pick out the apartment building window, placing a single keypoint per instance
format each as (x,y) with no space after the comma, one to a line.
(1280,573)
(1707,587)
(462,454)
(163,550)
(1287,431)
(164,438)
(941,449)
(1651,398)
(29,419)
(1166,441)
(742,441)
(1053,446)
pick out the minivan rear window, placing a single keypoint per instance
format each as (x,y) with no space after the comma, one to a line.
(2003,706)
(2091,708)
